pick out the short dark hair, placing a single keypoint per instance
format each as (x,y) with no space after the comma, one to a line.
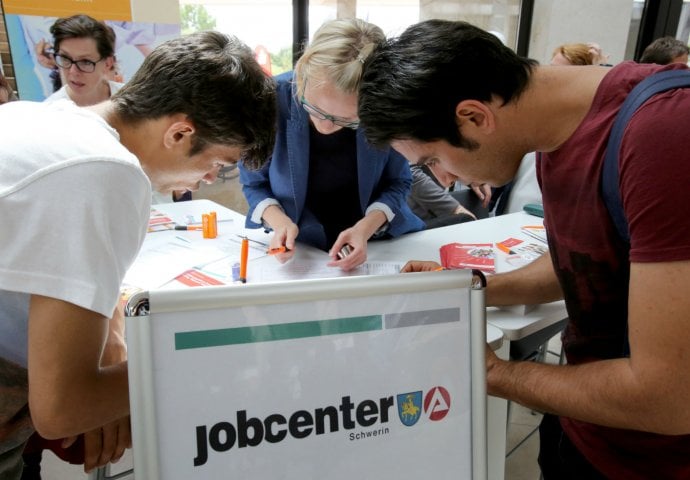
(663,50)
(214,79)
(412,84)
(83,26)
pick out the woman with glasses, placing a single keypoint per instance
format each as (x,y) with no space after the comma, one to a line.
(83,51)
(324,184)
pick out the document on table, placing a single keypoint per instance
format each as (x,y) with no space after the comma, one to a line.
(165,255)
(317,268)
(188,213)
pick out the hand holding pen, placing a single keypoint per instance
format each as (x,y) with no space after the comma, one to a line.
(282,245)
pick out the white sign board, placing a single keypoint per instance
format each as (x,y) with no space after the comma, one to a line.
(364,377)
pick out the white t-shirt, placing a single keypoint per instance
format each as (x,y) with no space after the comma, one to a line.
(62,93)
(75,205)
(525,187)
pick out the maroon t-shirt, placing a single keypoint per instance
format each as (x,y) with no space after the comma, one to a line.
(592,262)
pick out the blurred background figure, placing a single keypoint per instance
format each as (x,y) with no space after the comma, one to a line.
(84,52)
(579,54)
(665,50)
(431,201)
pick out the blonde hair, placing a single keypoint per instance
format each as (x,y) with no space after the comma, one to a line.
(581,53)
(337,53)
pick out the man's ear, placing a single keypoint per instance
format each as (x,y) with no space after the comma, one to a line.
(179,133)
(474,114)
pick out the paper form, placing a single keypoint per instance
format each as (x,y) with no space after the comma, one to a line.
(310,269)
(166,255)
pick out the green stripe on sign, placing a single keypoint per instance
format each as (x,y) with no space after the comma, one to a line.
(272,333)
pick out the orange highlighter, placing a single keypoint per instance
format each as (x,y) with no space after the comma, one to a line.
(244,256)
(277,250)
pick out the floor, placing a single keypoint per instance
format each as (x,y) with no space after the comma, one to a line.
(522,443)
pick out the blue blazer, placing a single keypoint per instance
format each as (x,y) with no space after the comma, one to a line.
(384,175)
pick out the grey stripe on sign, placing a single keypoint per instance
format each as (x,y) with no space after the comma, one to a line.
(425,317)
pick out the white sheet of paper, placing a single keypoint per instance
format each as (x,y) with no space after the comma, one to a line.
(317,268)
(154,268)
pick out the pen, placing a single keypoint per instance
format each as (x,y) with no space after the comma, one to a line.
(505,249)
(243,260)
(188,227)
(252,240)
(276,250)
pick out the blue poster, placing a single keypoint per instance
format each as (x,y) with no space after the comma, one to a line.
(29,36)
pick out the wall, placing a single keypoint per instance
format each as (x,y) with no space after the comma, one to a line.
(556,22)
(7,67)
(156,11)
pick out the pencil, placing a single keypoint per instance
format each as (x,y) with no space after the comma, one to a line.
(244,256)
(277,250)
(505,249)
(188,227)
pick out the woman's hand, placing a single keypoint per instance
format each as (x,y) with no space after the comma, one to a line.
(356,241)
(284,232)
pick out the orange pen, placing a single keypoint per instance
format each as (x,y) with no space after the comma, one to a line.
(188,227)
(244,256)
(276,250)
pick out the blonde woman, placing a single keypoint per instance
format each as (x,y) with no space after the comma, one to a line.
(579,54)
(325,185)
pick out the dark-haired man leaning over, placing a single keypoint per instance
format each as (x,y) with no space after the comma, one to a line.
(452,93)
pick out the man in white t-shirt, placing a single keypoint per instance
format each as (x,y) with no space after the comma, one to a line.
(75,192)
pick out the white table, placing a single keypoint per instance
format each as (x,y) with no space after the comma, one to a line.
(504,326)
(425,245)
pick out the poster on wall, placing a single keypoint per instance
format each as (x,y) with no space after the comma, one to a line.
(31,45)
(100,9)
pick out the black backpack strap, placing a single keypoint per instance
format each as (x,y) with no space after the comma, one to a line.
(650,86)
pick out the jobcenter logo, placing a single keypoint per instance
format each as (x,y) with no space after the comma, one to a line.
(250,431)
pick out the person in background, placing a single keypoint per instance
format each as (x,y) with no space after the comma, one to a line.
(6,92)
(324,184)
(431,201)
(450,91)
(579,54)
(84,54)
(666,50)
(85,175)
(521,191)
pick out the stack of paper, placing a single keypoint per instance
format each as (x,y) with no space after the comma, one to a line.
(479,256)
(535,231)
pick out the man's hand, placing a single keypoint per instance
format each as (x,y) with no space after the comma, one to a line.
(420,266)
(483,192)
(106,444)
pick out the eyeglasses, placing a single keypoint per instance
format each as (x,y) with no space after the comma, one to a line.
(86,66)
(316,113)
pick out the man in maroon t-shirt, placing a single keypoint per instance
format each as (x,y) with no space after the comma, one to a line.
(451,93)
